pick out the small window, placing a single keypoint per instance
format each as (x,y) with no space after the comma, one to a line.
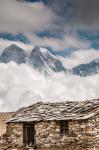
(64,127)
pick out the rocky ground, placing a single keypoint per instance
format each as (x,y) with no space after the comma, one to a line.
(5,147)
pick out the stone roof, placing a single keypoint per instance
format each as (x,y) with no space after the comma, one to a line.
(68,110)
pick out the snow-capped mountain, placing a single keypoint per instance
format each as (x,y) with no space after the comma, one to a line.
(90,68)
(40,58)
(44,61)
(13,53)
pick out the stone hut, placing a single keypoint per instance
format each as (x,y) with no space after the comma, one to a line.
(64,124)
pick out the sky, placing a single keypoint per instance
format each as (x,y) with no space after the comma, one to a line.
(68,28)
(61,25)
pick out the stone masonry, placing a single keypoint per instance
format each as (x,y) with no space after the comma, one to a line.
(81,133)
(15,134)
(63,124)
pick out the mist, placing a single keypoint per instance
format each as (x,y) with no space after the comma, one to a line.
(21,85)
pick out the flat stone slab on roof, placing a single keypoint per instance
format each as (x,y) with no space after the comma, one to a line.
(68,110)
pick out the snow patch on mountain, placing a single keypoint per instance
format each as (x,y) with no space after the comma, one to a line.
(44,61)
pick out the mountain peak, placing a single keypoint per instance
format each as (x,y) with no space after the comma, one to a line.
(40,50)
(90,68)
(13,53)
(42,59)
(13,46)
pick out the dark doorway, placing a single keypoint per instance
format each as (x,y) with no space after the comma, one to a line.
(64,127)
(29,135)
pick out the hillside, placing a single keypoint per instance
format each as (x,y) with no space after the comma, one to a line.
(3,118)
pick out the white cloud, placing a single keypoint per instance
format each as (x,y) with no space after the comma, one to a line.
(21,85)
(68,41)
(80,57)
(29,18)
(16,17)
(57,44)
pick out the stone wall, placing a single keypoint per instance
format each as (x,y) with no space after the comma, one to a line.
(81,133)
(47,134)
(87,132)
(15,134)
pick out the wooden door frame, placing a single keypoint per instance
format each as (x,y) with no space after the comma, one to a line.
(25,136)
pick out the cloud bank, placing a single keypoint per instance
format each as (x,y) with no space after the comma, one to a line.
(21,85)
(29,18)
(80,57)
(82,14)
(16,17)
